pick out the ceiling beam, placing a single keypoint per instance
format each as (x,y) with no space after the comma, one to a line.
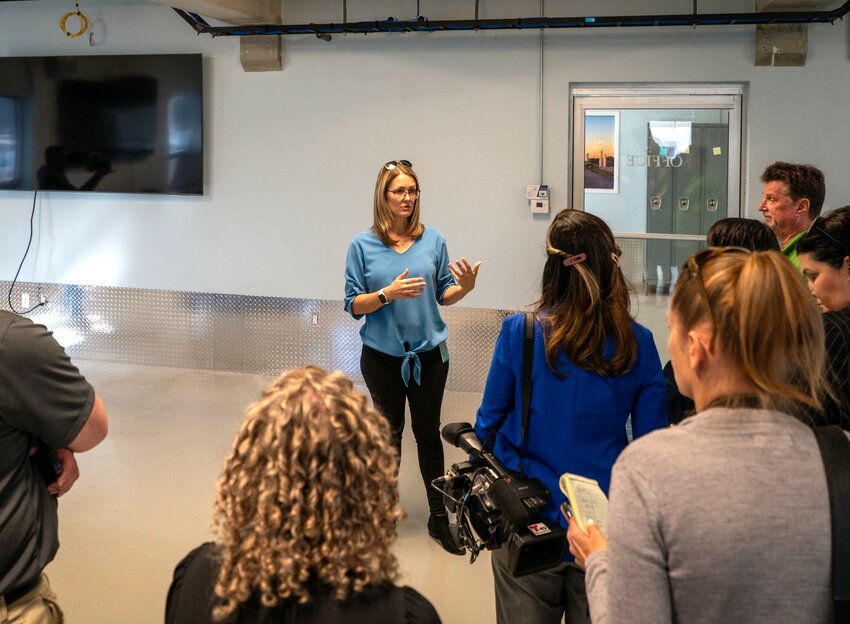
(783,45)
(231,11)
(257,54)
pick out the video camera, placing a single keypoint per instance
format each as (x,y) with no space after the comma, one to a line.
(492,507)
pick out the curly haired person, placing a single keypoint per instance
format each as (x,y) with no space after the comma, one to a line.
(305,515)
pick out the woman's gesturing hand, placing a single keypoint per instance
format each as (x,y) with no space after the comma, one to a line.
(464,273)
(404,287)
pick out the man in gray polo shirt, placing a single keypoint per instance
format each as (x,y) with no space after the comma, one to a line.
(44,400)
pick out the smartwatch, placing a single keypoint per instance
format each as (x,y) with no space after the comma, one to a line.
(382,297)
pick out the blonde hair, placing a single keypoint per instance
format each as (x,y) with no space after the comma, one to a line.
(308,494)
(584,304)
(766,323)
(382,217)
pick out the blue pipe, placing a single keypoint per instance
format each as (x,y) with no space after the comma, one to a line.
(424,25)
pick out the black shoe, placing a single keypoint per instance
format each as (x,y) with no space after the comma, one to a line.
(438,528)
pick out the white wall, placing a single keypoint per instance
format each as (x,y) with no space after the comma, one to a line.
(291,156)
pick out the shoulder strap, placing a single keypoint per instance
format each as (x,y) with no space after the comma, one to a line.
(527,365)
(835,452)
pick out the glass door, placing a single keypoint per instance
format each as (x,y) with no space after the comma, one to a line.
(660,165)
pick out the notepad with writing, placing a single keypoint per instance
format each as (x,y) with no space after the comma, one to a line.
(587,500)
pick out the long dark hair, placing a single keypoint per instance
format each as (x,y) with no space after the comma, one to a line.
(828,240)
(584,303)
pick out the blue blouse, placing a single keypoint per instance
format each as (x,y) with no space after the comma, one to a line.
(576,424)
(404,326)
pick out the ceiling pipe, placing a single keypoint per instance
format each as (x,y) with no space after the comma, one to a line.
(424,25)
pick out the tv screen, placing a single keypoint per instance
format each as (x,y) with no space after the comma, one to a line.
(112,124)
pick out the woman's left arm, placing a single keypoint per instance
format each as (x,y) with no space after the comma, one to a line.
(465,275)
(637,569)
(627,579)
(583,546)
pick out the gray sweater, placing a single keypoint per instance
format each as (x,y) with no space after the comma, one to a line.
(724,518)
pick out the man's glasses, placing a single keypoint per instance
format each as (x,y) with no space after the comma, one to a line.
(694,263)
(389,166)
(818,224)
(400,193)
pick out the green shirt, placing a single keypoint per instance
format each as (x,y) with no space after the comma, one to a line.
(790,250)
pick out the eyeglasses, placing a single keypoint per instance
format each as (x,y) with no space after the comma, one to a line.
(389,166)
(694,263)
(400,193)
(818,224)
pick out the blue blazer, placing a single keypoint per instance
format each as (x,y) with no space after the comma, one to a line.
(576,424)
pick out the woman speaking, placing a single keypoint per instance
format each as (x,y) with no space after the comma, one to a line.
(397,273)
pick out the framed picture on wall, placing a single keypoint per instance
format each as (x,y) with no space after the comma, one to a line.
(601,151)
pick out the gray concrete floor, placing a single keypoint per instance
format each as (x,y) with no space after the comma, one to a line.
(145,495)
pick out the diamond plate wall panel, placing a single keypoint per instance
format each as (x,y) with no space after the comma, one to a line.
(472,336)
(259,335)
(228,338)
(284,333)
(157,327)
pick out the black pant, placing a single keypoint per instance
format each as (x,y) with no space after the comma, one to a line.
(544,597)
(382,374)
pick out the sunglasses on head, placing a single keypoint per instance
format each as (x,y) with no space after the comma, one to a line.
(694,263)
(389,166)
(818,225)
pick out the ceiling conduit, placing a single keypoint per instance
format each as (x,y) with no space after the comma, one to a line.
(424,25)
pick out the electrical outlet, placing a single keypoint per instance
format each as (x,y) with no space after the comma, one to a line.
(315,319)
(25,300)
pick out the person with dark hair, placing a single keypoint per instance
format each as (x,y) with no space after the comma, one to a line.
(306,513)
(730,232)
(397,275)
(725,518)
(593,368)
(825,259)
(740,232)
(792,198)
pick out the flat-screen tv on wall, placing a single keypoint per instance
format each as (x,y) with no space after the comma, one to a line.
(111,124)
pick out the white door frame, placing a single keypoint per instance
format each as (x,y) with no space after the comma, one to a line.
(586,97)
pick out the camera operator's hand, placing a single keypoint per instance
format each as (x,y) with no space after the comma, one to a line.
(582,544)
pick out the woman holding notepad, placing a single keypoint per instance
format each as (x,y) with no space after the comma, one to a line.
(726,517)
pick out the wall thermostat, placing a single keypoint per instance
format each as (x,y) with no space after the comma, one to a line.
(538,198)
